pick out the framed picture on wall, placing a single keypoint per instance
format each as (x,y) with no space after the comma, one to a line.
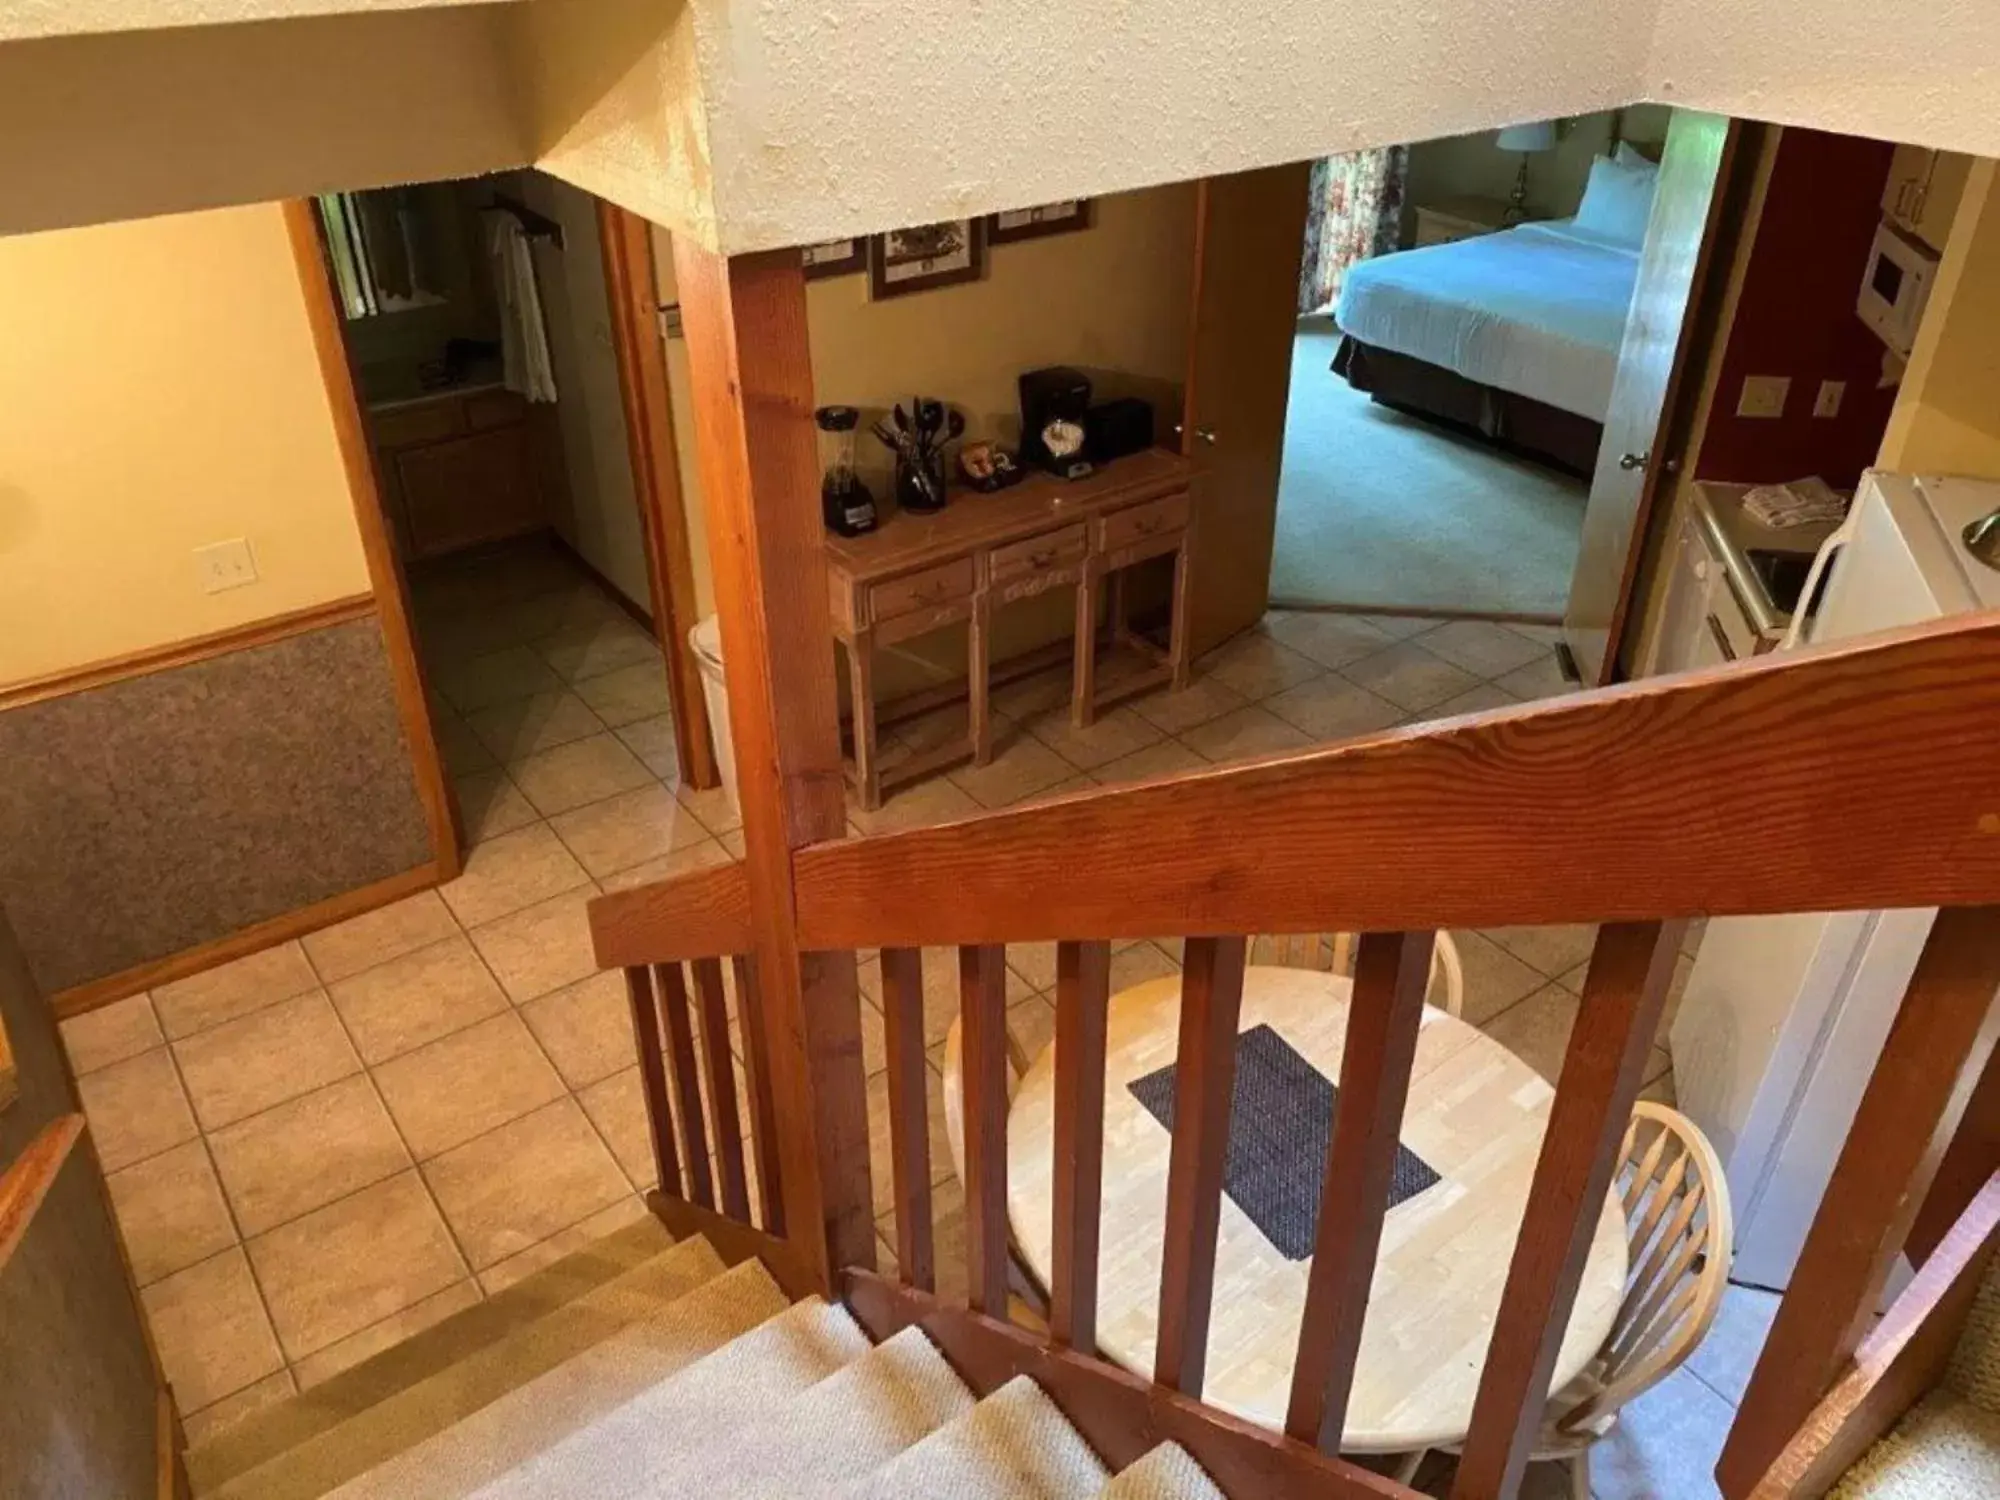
(1033,223)
(834,258)
(925,256)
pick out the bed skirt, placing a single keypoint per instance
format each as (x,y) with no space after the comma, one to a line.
(1516,423)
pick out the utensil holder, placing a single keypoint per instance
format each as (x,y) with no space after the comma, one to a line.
(920,483)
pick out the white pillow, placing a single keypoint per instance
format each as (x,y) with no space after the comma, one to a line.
(1617,201)
(1631,156)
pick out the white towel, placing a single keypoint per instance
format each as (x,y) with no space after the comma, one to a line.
(524,336)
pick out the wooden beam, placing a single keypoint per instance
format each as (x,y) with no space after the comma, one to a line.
(1552,812)
(630,289)
(1936,1051)
(745,321)
(1624,993)
(1900,1360)
(1390,977)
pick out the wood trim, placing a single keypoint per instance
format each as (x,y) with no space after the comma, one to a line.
(29,1177)
(751,367)
(627,242)
(1121,1415)
(702,914)
(1902,1358)
(170,1449)
(253,939)
(406,670)
(736,1243)
(184,653)
(636,613)
(1549,812)
(1936,1050)
(1624,995)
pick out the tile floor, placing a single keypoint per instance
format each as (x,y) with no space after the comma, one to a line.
(318,1150)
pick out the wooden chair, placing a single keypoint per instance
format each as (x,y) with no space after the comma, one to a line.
(1333,953)
(1678,1236)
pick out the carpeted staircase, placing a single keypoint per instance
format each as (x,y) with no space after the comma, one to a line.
(1948,1445)
(644,1368)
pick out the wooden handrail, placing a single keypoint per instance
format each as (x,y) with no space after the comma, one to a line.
(28,1179)
(703,914)
(1849,776)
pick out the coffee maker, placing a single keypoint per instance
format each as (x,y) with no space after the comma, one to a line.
(1053,403)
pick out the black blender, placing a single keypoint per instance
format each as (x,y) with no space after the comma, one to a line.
(845,503)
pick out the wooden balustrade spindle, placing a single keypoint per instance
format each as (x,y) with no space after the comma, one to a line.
(686,1083)
(763,1098)
(982,979)
(1383,1018)
(909,1115)
(1083,994)
(1931,1063)
(653,1078)
(1204,1086)
(1624,994)
(718,1068)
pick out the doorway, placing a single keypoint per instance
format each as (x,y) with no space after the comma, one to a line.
(502,338)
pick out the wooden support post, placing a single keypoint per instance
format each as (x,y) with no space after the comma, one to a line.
(982,986)
(686,1083)
(1623,994)
(1083,997)
(1380,1048)
(653,1077)
(745,321)
(1935,1054)
(909,1114)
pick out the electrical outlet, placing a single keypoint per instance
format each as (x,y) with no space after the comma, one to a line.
(1831,394)
(225,565)
(1764,395)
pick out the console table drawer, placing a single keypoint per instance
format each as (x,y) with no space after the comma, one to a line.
(1138,523)
(1052,549)
(925,590)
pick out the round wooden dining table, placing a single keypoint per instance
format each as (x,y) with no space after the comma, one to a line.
(1475,1117)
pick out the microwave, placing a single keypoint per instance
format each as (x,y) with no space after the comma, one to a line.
(1896,287)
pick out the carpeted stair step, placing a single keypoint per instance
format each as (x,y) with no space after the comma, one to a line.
(1945,1448)
(569,1396)
(1014,1445)
(266,1434)
(1167,1472)
(856,1419)
(736,1389)
(408,1416)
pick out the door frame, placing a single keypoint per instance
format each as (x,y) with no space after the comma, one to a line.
(632,312)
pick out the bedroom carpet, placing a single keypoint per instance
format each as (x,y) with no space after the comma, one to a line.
(1377,510)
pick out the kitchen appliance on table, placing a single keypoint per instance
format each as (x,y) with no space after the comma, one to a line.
(1784,1017)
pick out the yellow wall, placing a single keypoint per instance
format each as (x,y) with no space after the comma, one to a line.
(1947,417)
(1113,300)
(159,391)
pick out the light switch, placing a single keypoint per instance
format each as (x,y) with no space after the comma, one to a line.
(225,565)
(1831,394)
(1763,395)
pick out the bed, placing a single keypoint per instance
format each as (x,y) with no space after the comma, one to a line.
(1514,335)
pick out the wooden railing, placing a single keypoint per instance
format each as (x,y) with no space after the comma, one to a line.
(1851,777)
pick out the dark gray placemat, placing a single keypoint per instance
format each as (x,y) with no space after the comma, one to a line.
(1280,1124)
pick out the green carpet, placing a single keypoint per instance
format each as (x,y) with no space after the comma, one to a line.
(1377,510)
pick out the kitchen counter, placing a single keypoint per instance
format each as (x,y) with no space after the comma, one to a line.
(1731,534)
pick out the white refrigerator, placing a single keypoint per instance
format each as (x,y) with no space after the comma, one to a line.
(1784,1017)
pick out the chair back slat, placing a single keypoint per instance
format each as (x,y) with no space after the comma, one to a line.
(653,1076)
(1083,992)
(909,1128)
(1625,992)
(1391,975)
(982,974)
(682,1073)
(763,1096)
(1204,1083)
(718,1071)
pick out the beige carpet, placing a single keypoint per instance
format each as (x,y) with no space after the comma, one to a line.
(1378,510)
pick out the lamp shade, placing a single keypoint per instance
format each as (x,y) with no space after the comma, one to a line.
(1537,135)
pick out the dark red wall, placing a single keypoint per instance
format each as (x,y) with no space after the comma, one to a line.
(1796,317)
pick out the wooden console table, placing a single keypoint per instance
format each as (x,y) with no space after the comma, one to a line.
(920,573)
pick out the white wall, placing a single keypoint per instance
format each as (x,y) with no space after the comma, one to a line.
(39,18)
(1473,166)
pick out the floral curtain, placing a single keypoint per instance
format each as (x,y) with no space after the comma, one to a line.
(1355,212)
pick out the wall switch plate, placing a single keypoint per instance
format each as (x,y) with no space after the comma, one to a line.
(1764,395)
(225,565)
(1831,394)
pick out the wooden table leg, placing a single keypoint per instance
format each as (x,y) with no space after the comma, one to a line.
(1177,636)
(861,690)
(1083,677)
(977,681)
